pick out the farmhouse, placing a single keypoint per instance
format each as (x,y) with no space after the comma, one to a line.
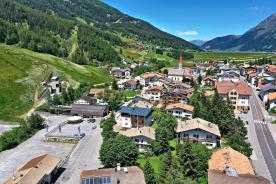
(198,130)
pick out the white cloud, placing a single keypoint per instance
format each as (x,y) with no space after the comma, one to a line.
(164,30)
(187,33)
(253,8)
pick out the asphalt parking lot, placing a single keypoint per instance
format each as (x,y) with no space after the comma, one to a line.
(11,160)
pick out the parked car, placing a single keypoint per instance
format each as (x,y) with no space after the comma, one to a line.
(94,126)
(92,120)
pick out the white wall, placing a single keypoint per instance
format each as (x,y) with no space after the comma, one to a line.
(125,122)
(81,101)
(176,78)
(180,113)
(243,100)
(142,142)
(201,135)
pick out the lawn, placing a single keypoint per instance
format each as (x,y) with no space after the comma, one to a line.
(155,162)
(131,93)
(22,71)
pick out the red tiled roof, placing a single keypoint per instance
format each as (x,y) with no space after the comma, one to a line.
(224,87)
(180,106)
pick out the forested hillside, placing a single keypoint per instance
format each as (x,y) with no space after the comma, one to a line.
(47,26)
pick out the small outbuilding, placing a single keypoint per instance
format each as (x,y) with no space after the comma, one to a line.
(89,111)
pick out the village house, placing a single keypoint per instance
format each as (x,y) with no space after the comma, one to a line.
(237,93)
(175,96)
(198,130)
(251,78)
(246,69)
(131,85)
(38,170)
(176,75)
(88,100)
(142,104)
(182,86)
(229,76)
(154,92)
(208,81)
(265,90)
(230,166)
(271,100)
(89,111)
(118,175)
(121,73)
(180,110)
(140,136)
(95,94)
(53,85)
(148,79)
(131,117)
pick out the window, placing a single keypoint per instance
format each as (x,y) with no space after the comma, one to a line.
(195,136)
(136,140)
(186,135)
(142,141)
(106,180)
(209,136)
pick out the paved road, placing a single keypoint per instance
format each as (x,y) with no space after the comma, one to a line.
(266,141)
(84,157)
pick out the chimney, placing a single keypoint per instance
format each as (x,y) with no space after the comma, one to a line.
(118,167)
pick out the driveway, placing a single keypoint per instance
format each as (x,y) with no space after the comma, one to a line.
(84,157)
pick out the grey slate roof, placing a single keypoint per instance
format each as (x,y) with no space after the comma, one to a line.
(135,111)
(89,110)
(176,72)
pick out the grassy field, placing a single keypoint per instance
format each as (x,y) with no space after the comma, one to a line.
(22,71)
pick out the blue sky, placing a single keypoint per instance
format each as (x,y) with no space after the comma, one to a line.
(198,19)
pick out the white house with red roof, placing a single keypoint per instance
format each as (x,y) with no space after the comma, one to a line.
(180,110)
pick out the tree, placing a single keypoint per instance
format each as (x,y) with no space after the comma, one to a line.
(12,36)
(199,79)
(113,98)
(149,173)
(187,159)
(107,127)
(165,167)
(35,121)
(115,85)
(165,71)
(111,152)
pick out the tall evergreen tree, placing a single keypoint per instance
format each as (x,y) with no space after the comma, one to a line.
(149,173)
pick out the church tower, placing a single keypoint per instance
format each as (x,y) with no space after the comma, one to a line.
(180,61)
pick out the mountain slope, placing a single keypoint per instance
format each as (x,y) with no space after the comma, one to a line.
(105,17)
(198,42)
(260,38)
(21,74)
